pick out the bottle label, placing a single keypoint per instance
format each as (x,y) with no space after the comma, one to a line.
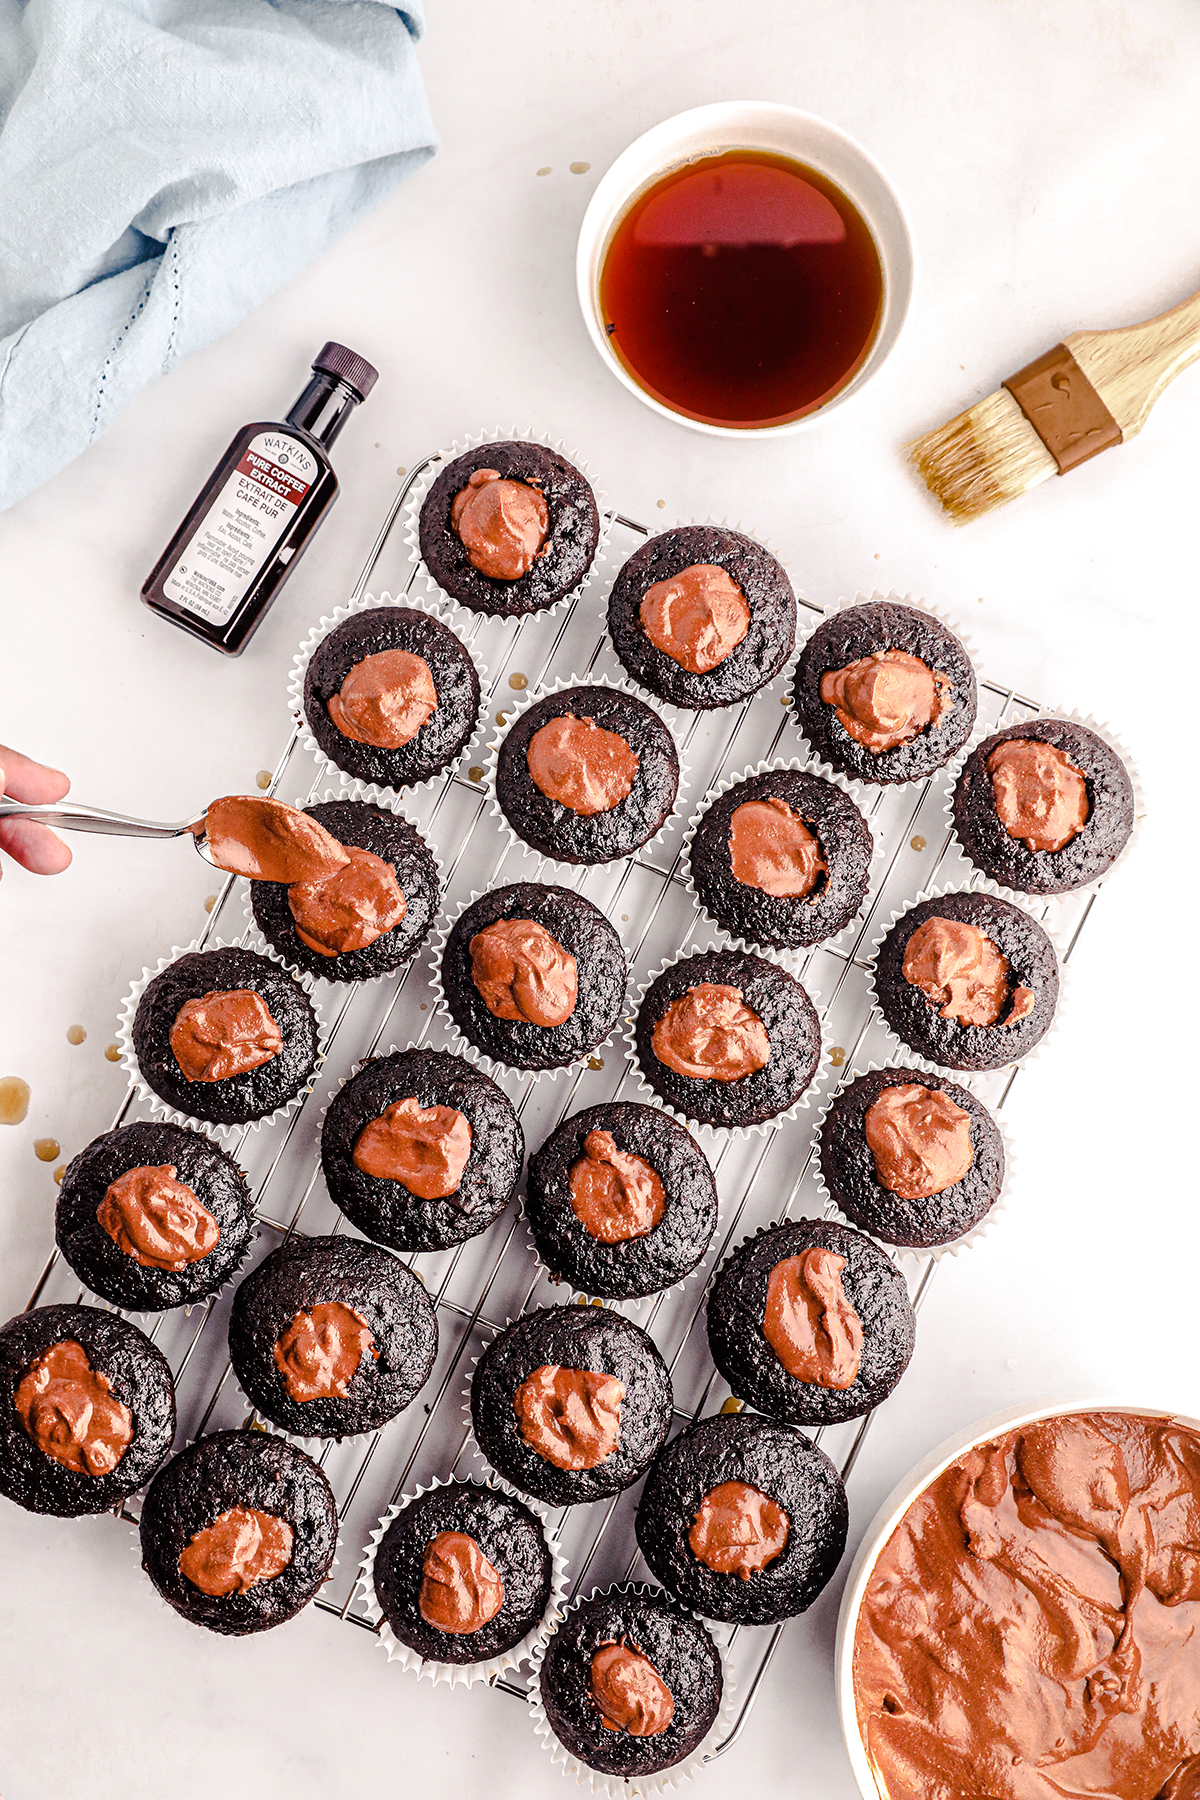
(242,528)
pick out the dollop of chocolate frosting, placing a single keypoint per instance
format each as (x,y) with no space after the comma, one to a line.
(580,765)
(614,1194)
(572,1417)
(629,1692)
(920,1139)
(738,1530)
(1040,796)
(424,1148)
(319,1354)
(71,1412)
(710,1034)
(1031,1629)
(349,909)
(521,972)
(224,1033)
(384,700)
(157,1219)
(886,699)
(809,1323)
(771,848)
(460,1589)
(238,1550)
(697,618)
(502,524)
(249,834)
(959,969)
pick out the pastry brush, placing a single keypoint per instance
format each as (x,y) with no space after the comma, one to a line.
(1093,390)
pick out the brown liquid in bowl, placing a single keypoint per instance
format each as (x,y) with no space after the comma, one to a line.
(743,289)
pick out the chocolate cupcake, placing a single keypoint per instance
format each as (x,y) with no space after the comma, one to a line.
(509,528)
(225,1035)
(911,1157)
(630,1684)
(782,858)
(587,774)
(1044,807)
(884,692)
(727,1038)
(621,1201)
(239,1531)
(463,1573)
(968,980)
(570,1403)
(331,1337)
(743,1519)
(391,696)
(367,919)
(421,1150)
(534,976)
(87,1410)
(810,1321)
(702,616)
(153,1216)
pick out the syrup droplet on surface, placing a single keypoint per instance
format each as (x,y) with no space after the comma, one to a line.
(546,171)
(263,779)
(595,1062)
(210,900)
(580,168)
(75,1034)
(46,1149)
(112,1052)
(731,1405)
(837,1056)
(502,718)
(475,773)
(918,843)
(660,503)
(402,471)
(518,681)
(59,1173)
(14,1099)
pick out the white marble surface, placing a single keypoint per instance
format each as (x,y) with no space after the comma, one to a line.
(1047,156)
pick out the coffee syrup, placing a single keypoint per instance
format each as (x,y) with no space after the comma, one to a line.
(743,289)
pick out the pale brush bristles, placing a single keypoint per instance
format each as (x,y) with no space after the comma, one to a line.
(988,455)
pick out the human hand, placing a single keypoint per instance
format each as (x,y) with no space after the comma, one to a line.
(34,846)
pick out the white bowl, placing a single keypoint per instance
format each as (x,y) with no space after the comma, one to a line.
(749,125)
(890,1515)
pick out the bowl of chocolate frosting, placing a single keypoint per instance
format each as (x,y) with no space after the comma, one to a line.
(1022,1620)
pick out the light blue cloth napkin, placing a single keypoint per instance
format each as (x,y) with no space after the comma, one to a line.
(164,166)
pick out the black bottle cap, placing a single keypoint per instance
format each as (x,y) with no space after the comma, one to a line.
(355,371)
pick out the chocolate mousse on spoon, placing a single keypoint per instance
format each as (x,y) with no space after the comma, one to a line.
(244,834)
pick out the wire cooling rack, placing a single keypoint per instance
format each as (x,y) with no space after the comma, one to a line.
(478,1286)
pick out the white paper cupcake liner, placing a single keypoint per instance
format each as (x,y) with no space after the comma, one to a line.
(637,1787)
(670,718)
(772,765)
(172,1114)
(460,447)
(462,1044)
(783,675)
(651,1093)
(463,1674)
(452,617)
(933,611)
(1068,717)
(935,1252)
(978,884)
(369,795)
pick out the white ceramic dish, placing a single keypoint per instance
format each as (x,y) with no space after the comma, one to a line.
(890,1515)
(749,125)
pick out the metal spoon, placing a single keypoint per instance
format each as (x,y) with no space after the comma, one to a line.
(67,815)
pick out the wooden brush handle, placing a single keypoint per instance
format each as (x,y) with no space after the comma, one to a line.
(1130,367)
